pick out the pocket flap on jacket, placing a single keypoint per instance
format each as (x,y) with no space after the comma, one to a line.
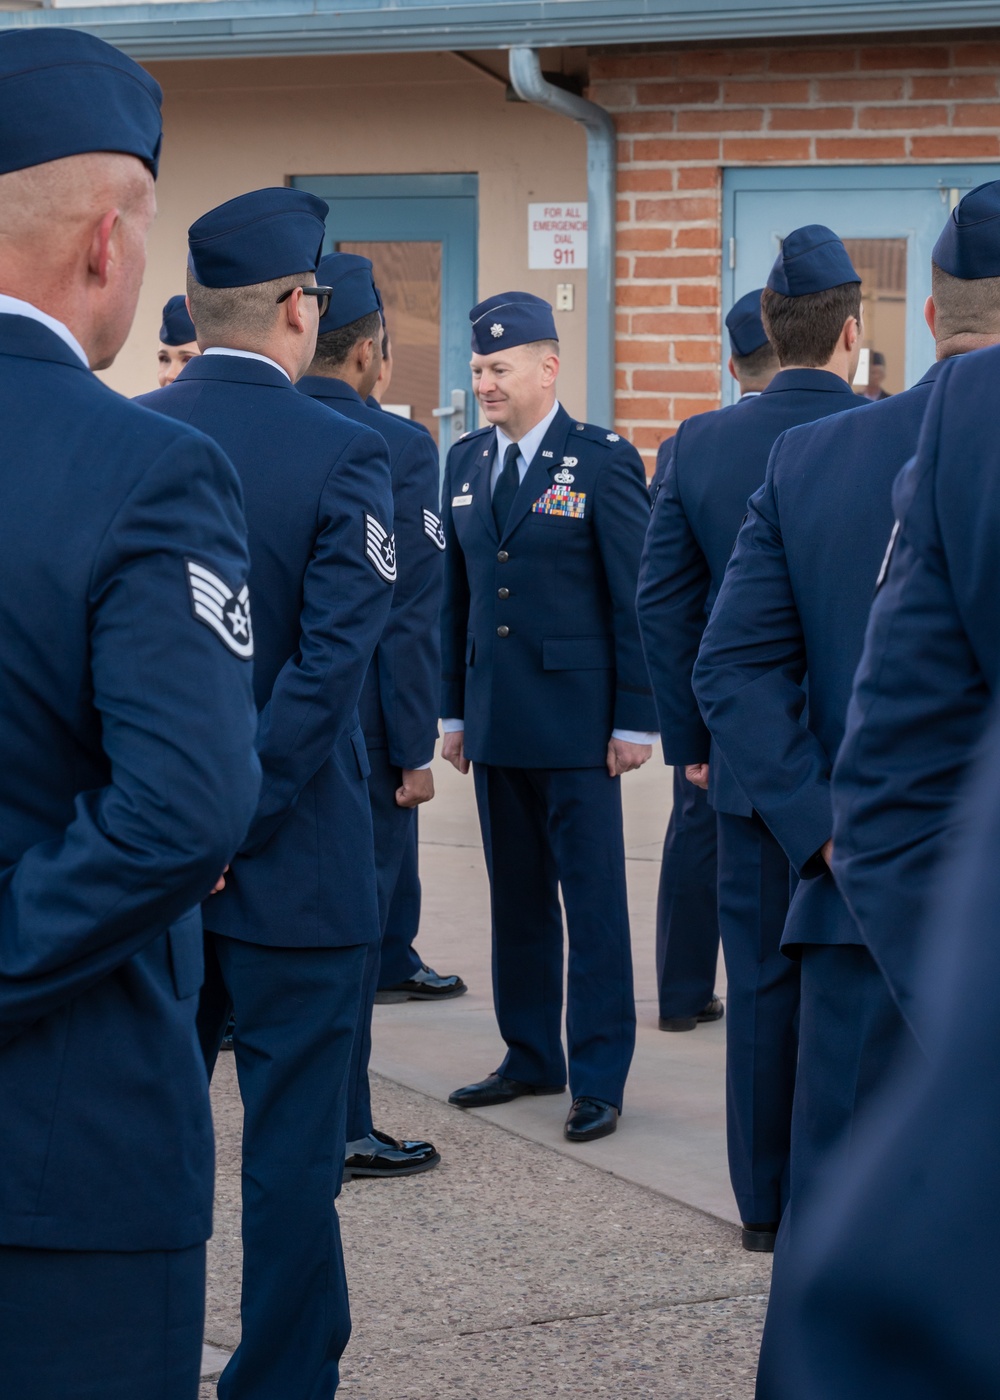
(361,751)
(187,954)
(578,654)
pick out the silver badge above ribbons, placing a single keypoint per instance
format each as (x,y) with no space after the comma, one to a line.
(215,604)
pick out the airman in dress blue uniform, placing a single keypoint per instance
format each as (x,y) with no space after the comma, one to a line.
(127,771)
(811,309)
(288,940)
(889,1288)
(178,341)
(687,906)
(791,617)
(931,659)
(401,693)
(545,692)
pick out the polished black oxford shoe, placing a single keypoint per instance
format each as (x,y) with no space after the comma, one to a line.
(424,985)
(496,1089)
(759,1239)
(589,1119)
(381,1155)
(714,1011)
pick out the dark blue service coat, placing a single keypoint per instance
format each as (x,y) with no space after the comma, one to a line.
(718,460)
(399,700)
(322,573)
(128,780)
(541,652)
(930,665)
(794,603)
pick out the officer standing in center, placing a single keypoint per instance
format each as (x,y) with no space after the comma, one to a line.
(687,905)
(545,692)
(811,310)
(288,939)
(399,701)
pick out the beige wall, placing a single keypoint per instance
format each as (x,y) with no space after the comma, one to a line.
(235,125)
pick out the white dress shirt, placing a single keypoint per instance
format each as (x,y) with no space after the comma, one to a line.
(248,355)
(14,306)
(529,445)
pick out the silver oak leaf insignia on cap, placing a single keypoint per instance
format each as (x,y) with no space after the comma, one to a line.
(496,330)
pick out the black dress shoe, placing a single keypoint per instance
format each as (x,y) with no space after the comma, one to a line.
(589,1119)
(424,985)
(496,1089)
(714,1011)
(759,1239)
(382,1155)
(227,1039)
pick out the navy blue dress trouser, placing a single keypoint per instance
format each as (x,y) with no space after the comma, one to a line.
(546,829)
(687,907)
(400,959)
(296,1011)
(851,1040)
(80,1325)
(762,1012)
(395,832)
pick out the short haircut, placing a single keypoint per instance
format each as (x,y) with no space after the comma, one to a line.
(759,364)
(805,330)
(385,340)
(243,313)
(333,347)
(546,347)
(964,308)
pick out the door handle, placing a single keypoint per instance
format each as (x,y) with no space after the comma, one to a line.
(455,411)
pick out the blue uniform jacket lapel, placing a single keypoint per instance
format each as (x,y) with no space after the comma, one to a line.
(477,473)
(30,340)
(538,477)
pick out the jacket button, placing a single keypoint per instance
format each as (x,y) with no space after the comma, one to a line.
(503,631)
(503,556)
(503,592)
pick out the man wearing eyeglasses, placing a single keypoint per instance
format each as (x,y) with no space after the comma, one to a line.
(288,939)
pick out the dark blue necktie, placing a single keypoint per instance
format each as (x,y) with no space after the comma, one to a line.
(506,488)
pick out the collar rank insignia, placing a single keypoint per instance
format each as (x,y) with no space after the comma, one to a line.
(433,528)
(614,437)
(380,547)
(564,478)
(227,613)
(547,454)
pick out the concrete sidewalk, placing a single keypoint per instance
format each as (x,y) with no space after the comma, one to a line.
(524,1266)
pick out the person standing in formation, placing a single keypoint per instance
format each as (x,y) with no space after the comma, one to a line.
(399,700)
(178,342)
(811,309)
(545,693)
(127,771)
(687,905)
(289,937)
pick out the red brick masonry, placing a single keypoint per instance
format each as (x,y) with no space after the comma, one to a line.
(683,115)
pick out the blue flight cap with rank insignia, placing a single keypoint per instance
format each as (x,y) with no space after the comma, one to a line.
(354,291)
(177,327)
(812,259)
(258,237)
(746,329)
(509,319)
(66,93)
(969,246)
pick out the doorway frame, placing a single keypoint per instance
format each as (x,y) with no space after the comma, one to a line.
(943,176)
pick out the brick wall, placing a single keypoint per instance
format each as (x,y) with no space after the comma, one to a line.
(683,115)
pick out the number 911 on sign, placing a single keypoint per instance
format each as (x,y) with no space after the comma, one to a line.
(557,235)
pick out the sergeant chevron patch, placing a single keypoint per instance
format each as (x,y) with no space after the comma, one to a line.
(433,528)
(380,547)
(215,604)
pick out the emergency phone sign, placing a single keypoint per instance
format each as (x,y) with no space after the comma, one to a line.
(557,235)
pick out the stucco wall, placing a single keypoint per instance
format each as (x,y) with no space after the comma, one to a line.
(239,124)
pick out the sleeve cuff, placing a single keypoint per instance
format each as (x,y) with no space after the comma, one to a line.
(452,726)
(634,736)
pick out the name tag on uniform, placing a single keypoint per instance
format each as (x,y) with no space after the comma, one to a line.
(560,500)
(461,501)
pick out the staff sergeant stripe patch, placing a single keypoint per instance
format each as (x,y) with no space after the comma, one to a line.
(433,528)
(227,613)
(380,547)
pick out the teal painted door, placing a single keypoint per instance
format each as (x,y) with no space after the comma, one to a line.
(889,217)
(421,233)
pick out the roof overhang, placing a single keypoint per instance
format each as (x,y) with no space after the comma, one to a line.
(228,28)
